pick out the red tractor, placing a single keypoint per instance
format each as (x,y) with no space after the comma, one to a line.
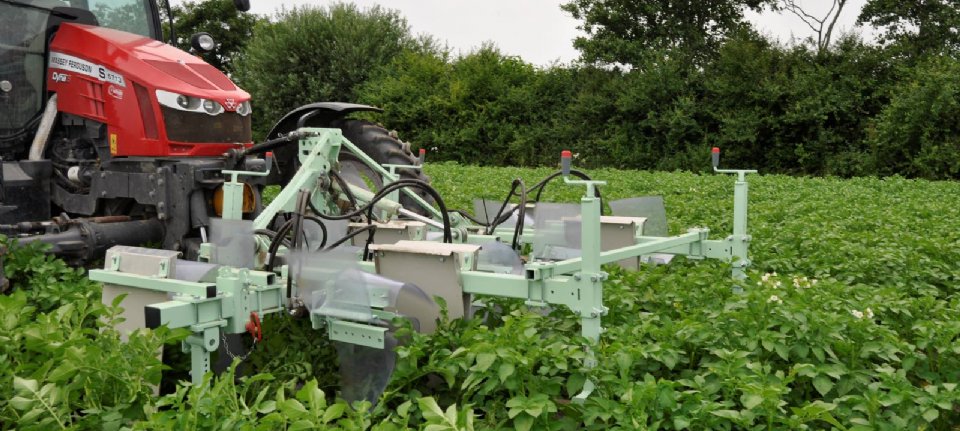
(109,136)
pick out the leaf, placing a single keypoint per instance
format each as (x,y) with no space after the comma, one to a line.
(267,407)
(301,424)
(575,384)
(751,400)
(61,373)
(484,361)
(782,351)
(506,370)
(823,384)
(523,423)
(25,385)
(817,408)
(404,409)
(430,409)
(451,414)
(311,394)
(292,407)
(335,411)
(931,415)
(728,414)
(21,403)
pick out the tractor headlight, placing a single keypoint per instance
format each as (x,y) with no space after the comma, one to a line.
(211,107)
(188,103)
(244,108)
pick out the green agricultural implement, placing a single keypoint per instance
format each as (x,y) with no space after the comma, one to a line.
(354,260)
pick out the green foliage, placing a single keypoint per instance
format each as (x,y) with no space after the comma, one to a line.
(795,110)
(788,110)
(915,28)
(64,364)
(624,31)
(846,321)
(313,54)
(229,28)
(481,106)
(917,134)
(690,85)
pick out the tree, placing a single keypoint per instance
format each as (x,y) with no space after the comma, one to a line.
(915,27)
(822,26)
(622,31)
(917,133)
(230,29)
(312,54)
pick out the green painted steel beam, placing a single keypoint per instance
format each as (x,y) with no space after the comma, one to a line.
(197,290)
(659,244)
(356,333)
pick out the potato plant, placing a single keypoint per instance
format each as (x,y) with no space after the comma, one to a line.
(846,321)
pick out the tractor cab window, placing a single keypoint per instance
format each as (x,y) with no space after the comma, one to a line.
(132,16)
(22,37)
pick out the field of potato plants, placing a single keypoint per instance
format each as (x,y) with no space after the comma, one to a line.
(848,321)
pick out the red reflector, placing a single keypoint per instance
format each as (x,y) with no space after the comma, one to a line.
(566,153)
(423,151)
(716,149)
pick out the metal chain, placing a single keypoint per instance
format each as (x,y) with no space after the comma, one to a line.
(226,348)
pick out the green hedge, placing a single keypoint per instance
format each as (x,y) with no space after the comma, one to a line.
(852,110)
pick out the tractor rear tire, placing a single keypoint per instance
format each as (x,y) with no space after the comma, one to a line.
(383,148)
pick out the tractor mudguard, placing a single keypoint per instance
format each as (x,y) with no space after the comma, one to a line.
(330,111)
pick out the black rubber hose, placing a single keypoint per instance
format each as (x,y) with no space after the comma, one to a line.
(344,187)
(470,217)
(275,244)
(323,229)
(371,227)
(447,234)
(299,212)
(521,215)
(579,174)
(271,144)
(520,208)
(538,187)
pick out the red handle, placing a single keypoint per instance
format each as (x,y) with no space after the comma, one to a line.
(254,327)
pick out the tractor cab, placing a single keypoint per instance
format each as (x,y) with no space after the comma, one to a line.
(26,27)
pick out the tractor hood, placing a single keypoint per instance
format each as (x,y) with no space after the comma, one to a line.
(154,63)
(155,99)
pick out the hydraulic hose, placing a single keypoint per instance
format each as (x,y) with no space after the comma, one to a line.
(447,233)
(579,174)
(368,228)
(521,209)
(271,144)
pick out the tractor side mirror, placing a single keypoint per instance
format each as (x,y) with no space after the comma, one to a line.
(242,5)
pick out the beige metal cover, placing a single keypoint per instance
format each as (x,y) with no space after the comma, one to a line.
(434,268)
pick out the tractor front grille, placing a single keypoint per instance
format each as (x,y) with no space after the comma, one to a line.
(228,127)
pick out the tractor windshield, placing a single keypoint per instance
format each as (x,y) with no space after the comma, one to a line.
(132,16)
(23,39)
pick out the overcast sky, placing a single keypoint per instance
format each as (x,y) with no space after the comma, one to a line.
(537,30)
